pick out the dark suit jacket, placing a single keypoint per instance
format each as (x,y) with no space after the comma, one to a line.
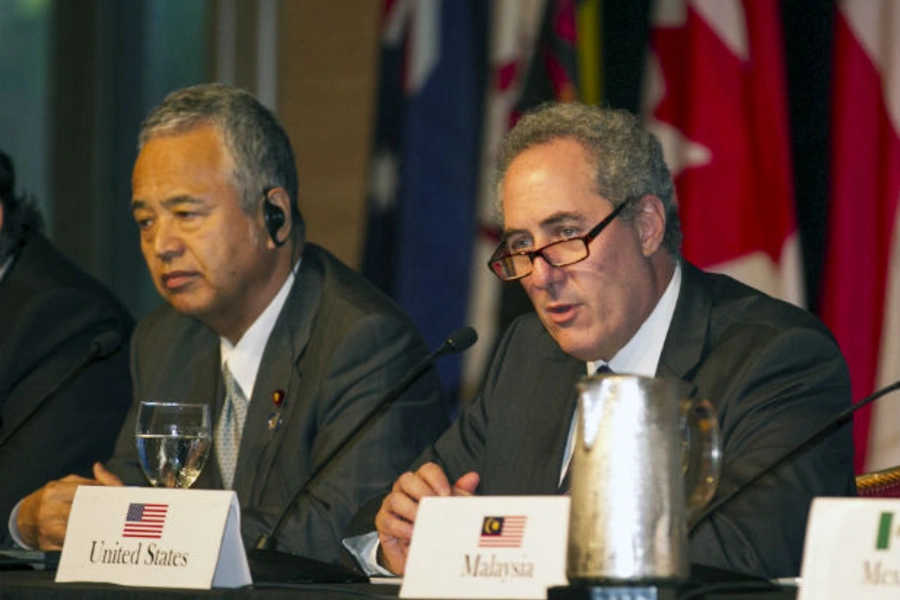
(772,371)
(336,348)
(50,313)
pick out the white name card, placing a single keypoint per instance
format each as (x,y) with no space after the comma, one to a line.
(154,537)
(852,550)
(487,547)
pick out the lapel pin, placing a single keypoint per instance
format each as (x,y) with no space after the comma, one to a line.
(275,421)
(278,397)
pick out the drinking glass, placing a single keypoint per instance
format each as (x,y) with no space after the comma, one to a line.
(173,442)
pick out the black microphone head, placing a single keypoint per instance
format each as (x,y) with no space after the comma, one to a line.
(461,339)
(105,344)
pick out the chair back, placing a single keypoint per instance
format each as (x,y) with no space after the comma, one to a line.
(879,484)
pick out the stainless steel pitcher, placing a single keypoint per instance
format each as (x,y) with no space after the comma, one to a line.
(645,461)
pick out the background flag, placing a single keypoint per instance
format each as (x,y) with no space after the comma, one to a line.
(514,29)
(715,96)
(425,161)
(861,290)
(532,60)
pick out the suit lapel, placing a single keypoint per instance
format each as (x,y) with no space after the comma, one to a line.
(540,427)
(263,436)
(550,428)
(16,288)
(205,386)
(686,340)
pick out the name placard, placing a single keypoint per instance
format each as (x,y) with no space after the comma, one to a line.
(154,537)
(487,547)
(852,550)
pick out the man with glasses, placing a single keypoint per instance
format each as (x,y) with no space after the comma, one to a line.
(591,232)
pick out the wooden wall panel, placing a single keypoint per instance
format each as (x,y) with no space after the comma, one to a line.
(327,69)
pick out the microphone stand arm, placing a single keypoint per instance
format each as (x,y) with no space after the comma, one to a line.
(827,429)
(267,541)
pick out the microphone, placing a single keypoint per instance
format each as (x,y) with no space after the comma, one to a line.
(830,426)
(264,560)
(102,346)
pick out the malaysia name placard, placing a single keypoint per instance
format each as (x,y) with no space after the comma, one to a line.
(154,537)
(487,547)
(852,550)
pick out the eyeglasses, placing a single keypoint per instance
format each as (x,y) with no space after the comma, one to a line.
(509,266)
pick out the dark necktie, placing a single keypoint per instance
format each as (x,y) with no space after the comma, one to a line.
(603,369)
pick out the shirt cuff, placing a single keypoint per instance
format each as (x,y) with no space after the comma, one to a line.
(364,549)
(14,528)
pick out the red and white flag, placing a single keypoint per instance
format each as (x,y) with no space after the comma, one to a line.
(502,532)
(715,96)
(515,28)
(861,292)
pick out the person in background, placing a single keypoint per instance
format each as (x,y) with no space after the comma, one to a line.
(591,232)
(64,384)
(289,346)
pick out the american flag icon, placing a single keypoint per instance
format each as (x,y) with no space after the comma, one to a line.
(502,532)
(145,520)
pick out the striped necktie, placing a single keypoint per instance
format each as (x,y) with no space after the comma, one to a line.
(229,428)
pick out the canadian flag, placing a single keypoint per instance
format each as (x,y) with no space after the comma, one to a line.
(861,292)
(715,96)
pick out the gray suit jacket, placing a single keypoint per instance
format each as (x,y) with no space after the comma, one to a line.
(772,371)
(337,346)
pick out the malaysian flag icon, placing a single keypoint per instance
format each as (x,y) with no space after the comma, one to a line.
(145,520)
(502,532)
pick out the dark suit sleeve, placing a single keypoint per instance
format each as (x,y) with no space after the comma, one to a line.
(44,435)
(513,432)
(460,449)
(373,355)
(457,451)
(787,386)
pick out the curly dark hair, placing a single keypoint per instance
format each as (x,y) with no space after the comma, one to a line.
(21,216)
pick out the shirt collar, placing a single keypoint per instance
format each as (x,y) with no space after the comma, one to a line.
(640,356)
(245,357)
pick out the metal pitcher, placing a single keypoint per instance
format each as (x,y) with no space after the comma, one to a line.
(645,461)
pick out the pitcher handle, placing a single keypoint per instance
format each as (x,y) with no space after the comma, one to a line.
(701,455)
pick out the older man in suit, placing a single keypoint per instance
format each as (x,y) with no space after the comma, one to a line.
(64,385)
(591,232)
(290,347)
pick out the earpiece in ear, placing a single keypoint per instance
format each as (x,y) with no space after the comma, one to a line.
(274,218)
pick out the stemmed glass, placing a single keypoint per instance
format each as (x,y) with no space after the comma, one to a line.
(173,442)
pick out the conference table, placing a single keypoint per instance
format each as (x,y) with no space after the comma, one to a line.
(39,585)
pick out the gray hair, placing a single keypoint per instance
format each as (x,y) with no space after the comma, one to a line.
(628,159)
(257,142)
(21,216)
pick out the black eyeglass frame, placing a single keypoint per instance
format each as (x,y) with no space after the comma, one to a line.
(501,253)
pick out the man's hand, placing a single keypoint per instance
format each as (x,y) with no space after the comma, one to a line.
(397,516)
(44,514)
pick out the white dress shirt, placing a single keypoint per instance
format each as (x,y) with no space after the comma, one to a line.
(243,358)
